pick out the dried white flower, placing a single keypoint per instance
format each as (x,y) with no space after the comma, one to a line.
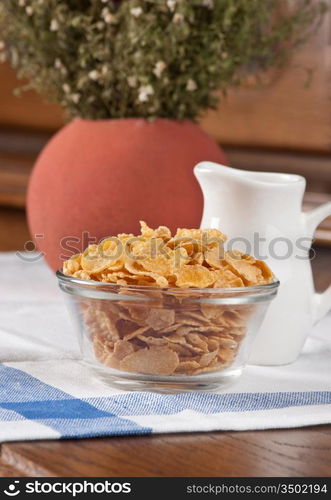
(136,11)
(58,63)
(171,4)
(100,25)
(94,75)
(29,10)
(191,86)
(178,18)
(104,69)
(144,92)
(208,3)
(110,18)
(132,81)
(66,88)
(54,26)
(159,68)
(106,93)
(75,98)
(107,16)
(2,44)
(21,3)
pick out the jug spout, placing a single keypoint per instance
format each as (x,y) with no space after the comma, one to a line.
(207,171)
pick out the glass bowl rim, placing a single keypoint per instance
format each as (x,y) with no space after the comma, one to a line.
(252,290)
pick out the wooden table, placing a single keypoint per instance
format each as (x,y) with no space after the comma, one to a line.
(290,453)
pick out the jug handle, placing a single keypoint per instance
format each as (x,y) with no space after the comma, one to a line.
(322,301)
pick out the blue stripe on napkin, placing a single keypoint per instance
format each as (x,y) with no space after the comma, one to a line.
(9,416)
(168,404)
(24,396)
(81,428)
(16,385)
(60,409)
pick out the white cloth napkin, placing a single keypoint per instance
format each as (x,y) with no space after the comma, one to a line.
(47,389)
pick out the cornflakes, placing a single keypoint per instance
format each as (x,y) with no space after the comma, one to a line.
(156,360)
(172,335)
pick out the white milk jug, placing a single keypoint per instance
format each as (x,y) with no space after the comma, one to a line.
(261,213)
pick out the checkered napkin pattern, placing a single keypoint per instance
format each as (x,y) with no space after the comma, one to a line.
(46,392)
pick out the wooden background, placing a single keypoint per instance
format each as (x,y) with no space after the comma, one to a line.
(283,126)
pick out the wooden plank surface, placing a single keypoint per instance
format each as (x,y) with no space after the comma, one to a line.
(284,113)
(298,452)
(30,110)
(14,177)
(8,471)
(14,232)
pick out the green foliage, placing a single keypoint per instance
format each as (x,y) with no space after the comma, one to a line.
(145,58)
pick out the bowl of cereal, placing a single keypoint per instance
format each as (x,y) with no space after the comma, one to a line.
(163,312)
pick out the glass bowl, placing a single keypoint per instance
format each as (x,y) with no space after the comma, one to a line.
(149,338)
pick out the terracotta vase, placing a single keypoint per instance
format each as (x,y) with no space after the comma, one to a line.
(99,178)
